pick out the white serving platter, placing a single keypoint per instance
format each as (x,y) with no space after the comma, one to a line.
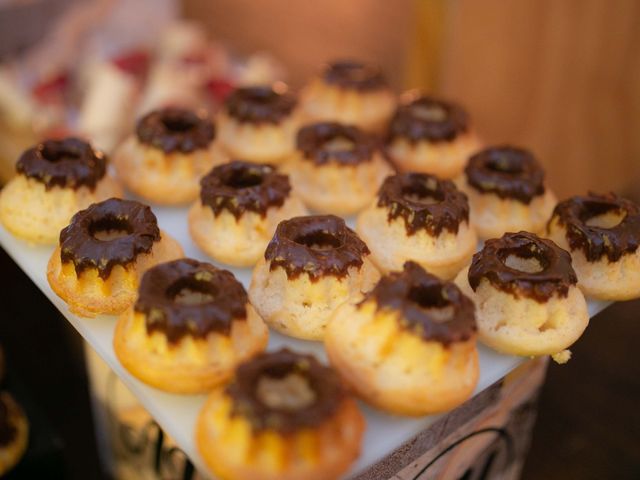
(177,414)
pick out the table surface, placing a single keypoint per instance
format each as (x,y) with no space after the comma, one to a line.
(177,413)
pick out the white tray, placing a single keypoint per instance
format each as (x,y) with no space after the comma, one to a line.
(177,414)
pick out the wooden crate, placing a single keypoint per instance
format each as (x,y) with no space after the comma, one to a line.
(486,438)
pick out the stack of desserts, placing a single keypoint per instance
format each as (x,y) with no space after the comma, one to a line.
(80,79)
(399,301)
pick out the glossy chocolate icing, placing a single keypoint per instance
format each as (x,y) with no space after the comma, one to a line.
(328,390)
(413,292)
(240,186)
(175,129)
(509,172)
(79,245)
(223,299)
(597,242)
(555,278)
(428,119)
(312,140)
(424,202)
(352,75)
(69,163)
(8,430)
(316,245)
(261,104)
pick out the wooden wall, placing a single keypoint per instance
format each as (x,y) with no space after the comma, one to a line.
(303,34)
(561,77)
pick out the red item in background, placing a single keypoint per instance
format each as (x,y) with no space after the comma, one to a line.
(219,88)
(194,58)
(53,89)
(57,132)
(135,63)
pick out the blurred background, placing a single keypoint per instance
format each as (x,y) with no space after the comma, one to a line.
(561,77)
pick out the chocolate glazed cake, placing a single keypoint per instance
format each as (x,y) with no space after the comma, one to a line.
(240,186)
(353,75)
(430,119)
(508,172)
(423,201)
(413,292)
(260,104)
(554,277)
(174,129)
(80,244)
(316,246)
(596,241)
(322,398)
(159,299)
(68,163)
(314,142)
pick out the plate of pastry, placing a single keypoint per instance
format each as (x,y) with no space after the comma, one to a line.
(299,284)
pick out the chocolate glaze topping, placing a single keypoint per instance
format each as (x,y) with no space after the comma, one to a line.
(508,172)
(424,202)
(314,139)
(68,163)
(354,75)
(175,129)
(223,299)
(80,245)
(317,245)
(324,382)
(259,105)
(555,278)
(8,430)
(596,242)
(429,119)
(414,292)
(240,186)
